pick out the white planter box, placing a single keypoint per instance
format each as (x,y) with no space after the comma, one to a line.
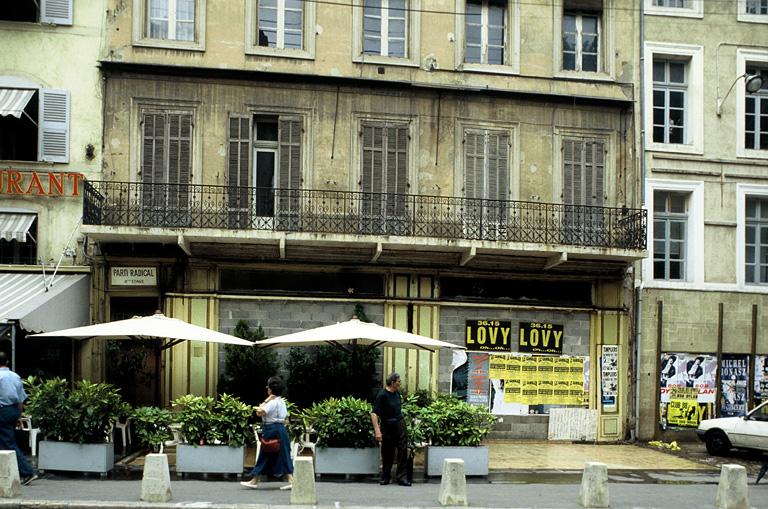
(346,460)
(209,459)
(475,459)
(73,457)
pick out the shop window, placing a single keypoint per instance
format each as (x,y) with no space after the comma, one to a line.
(15,251)
(55,12)
(34,125)
(340,284)
(572,293)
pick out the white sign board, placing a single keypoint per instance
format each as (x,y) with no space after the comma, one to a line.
(133,276)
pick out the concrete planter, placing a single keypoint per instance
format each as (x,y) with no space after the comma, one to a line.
(73,457)
(346,460)
(209,459)
(475,459)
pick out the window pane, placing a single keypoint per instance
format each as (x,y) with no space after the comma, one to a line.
(658,270)
(676,99)
(658,249)
(569,61)
(569,23)
(658,134)
(658,98)
(677,230)
(569,42)
(589,63)
(185,31)
(677,202)
(750,274)
(589,24)
(293,19)
(397,48)
(397,28)
(589,43)
(372,46)
(495,56)
(676,72)
(676,135)
(472,54)
(752,207)
(749,234)
(676,116)
(266,131)
(185,10)
(660,201)
(372,8)
(675,270)
(292,40)
(659,71)
(495,16)
(749,122)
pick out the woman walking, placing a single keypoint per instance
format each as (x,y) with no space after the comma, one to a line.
(273,413)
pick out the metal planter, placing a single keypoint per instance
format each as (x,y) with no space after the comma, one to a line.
(475,459)
(72,457)
(209,459)
(346,460)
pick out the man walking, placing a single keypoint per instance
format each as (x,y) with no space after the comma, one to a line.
(389,429)
(12,397)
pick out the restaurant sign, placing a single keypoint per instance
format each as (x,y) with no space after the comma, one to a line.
(540,337)
(40,183)
(488,335)
(133,276)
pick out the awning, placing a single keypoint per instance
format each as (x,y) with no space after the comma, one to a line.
(15,226)
(25,300)
(14,100)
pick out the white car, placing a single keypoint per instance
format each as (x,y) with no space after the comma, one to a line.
(746,432)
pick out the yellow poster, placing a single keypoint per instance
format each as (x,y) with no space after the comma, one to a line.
(497,367)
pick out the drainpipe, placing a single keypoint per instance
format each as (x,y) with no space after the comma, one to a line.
(639,285)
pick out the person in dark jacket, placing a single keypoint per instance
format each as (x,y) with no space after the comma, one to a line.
(389,428)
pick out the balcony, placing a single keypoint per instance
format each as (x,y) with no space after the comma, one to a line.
(412,219)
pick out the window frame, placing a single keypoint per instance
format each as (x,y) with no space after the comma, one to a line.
(307,52)
(607,137)
(694,113)
(744,59)
(578,55)
(32,240)
(141,29)
(669,87)
(696,9)
(413,38)
(743,192)
(668,218)
(606,67)
(356,170)
(759,246)
(694,271)
(742,15)
(511,42)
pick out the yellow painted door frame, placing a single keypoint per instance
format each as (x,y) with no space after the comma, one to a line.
(609,328)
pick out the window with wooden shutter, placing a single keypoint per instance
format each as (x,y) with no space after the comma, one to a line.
(54,126)
(289,174)
(238,170)
(486,173)
(583,190)
(57,12)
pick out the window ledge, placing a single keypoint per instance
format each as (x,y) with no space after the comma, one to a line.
(706,287)
(298,54)
(488,68)
(170,44)
(752,18)
(380,60)
(585,76)
(752,154)
(674,147)
(674,12)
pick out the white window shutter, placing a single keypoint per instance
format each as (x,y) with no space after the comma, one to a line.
(54,126)
(57,12)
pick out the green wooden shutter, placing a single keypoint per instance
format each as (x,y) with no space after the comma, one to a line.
(395,180)
(595,171)
(474,164)
(239,169)
(289,169)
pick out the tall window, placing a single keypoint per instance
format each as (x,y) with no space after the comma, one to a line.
(280,24)
(384,28)
(171,19)
(486,164)
(670,89)
(581,42)
(670,229)
(583,171)
(485,31)
(756,240)
(34,124)
(759,7)
(756,115)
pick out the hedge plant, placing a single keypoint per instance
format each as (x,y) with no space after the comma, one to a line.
(448,421)
(206,421)
(341,422)
(152,426)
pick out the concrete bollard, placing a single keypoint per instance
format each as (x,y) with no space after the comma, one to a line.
(10,484)
(594,485)
(156,480)
(453,485)
(303,491)
(732,488)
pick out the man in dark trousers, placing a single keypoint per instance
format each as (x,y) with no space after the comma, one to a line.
(12,397)
(389,429)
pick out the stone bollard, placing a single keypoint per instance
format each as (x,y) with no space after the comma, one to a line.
(594,485)
(732,489)
(303,491)
(156,480)
(453,485)
(10,484)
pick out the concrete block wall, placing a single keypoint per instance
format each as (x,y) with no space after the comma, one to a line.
(527,427)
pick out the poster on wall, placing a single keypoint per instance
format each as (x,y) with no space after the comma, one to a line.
(734,377)
(488,335)
(609,376)
(696,374)
(761,379)
(477,386)
(459,374)
(540,337)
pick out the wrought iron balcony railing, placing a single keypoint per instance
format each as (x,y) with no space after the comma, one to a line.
(349,212)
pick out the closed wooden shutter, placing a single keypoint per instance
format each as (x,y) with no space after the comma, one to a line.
(152,147)
(54,126)
(239,161)
(396,171)
(497,147)
(595,172)
(572,171)
(474,164)
(372,159)
(289,177)
(179,158)
(57,12)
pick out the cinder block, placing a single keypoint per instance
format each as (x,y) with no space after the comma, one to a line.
(156,480)
(453,485)
(10,484)
(303,491)
(594,485)
(732,488)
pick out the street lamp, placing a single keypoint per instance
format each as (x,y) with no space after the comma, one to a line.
(752,83)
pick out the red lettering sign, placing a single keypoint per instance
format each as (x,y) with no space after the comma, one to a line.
(40,183)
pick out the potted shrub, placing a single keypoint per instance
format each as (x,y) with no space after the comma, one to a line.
(345,442)
(214,433)
(454,429)
(75,423)
(152,426)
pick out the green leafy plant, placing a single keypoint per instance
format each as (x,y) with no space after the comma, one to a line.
(83,414)
(341,422)
(206,421)
(246,368)
(411,409)
(152,426)
(296,423)
(448,421)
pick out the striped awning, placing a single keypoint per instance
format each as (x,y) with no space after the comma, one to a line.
(14,100)
(15,226)
(40,303)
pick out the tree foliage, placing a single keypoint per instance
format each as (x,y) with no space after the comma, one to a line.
(247,369)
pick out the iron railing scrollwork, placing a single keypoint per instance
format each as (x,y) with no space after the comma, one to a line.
(351,212)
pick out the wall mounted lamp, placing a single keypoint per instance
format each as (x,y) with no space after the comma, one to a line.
(752,83)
